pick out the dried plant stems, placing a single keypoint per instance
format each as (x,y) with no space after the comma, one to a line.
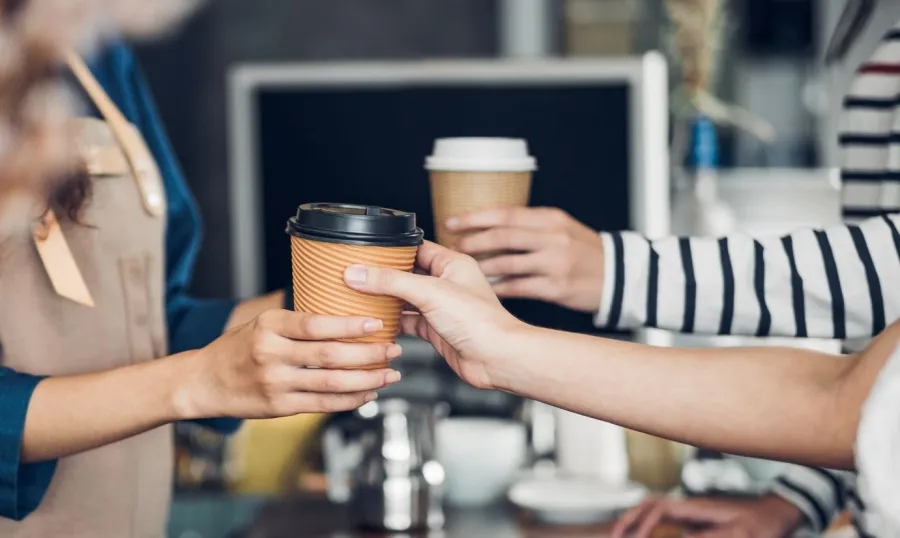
(696,40)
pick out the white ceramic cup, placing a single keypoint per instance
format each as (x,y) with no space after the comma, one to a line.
(481,458)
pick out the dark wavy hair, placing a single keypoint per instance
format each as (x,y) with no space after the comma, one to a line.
(71,195)
(67,195)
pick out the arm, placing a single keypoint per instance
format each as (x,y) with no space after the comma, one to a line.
(282,363)
(811,283)
(723,399)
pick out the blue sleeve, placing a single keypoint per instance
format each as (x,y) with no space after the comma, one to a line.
(22,487)
(192,322)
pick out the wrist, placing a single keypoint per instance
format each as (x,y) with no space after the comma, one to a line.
(186,395)
(789,517)
(516,345)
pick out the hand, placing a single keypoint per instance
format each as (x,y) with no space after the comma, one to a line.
(766,517)
(548,254)
(285,363)
(457,311)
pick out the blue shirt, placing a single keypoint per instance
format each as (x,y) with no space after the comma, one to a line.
(192,323)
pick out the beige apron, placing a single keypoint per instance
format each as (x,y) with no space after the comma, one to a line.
(121,490)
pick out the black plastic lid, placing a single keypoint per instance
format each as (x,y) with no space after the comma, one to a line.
(356,225)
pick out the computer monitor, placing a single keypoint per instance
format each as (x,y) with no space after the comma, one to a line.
(360,132)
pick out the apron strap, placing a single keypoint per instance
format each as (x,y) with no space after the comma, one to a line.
(140,160)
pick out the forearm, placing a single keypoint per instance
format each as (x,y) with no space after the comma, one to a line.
(69,415)
(721,399)
(812,283)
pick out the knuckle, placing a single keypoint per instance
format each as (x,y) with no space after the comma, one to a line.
(260,348)
(278,406)
(260,329)
(325,356)
(332,383)
(266,320)
(559,216)
(269,381)
(468,262)
(330,403)
(306,324)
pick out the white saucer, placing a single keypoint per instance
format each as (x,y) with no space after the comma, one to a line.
(574,501)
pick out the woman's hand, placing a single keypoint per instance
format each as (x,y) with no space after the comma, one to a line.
(547,254)
(458,313)
(766,517)
(285,363)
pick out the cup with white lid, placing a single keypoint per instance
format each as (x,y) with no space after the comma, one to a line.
(470,174)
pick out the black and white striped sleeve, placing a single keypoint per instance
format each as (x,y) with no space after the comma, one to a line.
(820,494)
(832,283)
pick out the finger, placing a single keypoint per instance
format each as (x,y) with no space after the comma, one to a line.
(631,517)
(651,520)
(501,239)
(721,532)
(534,218)
(418,290)
(700,511)
(309,402)
(514,265)
(414,325)
(538,287)
(340,355)
(314,327)
(432,259)
(341,381)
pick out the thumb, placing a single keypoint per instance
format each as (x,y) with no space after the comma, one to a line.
(418,290)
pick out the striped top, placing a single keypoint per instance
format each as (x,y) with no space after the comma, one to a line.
(877,446)
(839,282)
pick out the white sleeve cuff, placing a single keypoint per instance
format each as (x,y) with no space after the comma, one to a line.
(609,280)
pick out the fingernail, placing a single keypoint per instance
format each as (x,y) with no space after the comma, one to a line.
(373,325)
(371,397)
(394,351)
(392,377)
(453,222)
(355,274)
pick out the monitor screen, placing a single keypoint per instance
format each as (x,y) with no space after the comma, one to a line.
(367,145)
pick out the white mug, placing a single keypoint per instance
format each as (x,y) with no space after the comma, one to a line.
(481,458)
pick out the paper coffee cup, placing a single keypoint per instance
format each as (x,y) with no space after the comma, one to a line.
(328,238)
(468,174)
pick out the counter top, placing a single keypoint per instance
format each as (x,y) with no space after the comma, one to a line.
(311,517)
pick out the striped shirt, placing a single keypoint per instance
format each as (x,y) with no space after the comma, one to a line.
(840,282)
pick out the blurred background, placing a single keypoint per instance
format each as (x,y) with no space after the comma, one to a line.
(771,65)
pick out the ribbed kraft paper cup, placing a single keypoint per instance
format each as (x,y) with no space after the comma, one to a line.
(328,238)
(457,193)
(319,286)
(470,174)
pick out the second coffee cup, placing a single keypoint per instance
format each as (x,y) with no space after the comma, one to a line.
(469,174)
(328,238)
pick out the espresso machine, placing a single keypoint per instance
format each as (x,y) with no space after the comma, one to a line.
(381,458)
